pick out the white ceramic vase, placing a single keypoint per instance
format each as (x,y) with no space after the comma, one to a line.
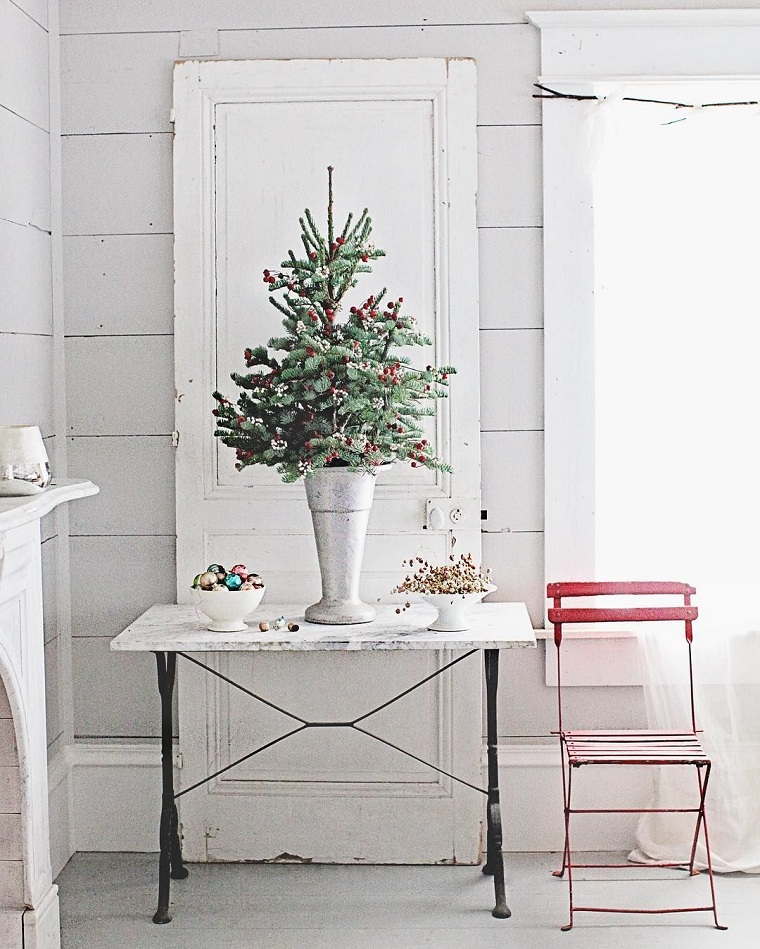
(340,501)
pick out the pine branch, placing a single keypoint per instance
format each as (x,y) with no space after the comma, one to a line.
(329,206)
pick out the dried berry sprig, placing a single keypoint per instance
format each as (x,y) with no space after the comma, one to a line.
(458,577)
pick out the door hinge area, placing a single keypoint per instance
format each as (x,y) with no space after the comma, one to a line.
(175,439)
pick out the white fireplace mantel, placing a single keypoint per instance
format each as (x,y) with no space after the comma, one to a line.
(28,897)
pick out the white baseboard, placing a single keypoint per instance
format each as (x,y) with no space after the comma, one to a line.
(530,780)
(42,925)
(107,797)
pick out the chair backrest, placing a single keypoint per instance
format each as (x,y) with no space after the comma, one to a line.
(561,615)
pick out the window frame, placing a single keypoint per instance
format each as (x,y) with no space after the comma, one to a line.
(581,53)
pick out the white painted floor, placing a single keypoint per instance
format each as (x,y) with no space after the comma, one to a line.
(107,901)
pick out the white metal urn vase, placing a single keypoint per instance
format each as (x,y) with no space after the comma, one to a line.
(340,501)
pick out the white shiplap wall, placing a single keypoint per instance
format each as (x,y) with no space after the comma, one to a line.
(31,383)
(116,65)
(31,347)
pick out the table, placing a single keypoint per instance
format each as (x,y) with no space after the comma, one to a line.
(169,631)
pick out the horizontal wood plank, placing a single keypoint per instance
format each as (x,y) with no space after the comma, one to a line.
(119,284)
(117,184)
(10,790)
(26,285)
(11,885)
(505,96)
(10,836)
(8,753)
(24,65)
(5,707)
(102,74)
(133,16)
(509,176)
(511,380)
(511,277)
(130,683)
(133,573)
(513,480)
(37,10)
(117,82)
(27,393)
(25,181)
(136,480)
(120,385)
(516,559)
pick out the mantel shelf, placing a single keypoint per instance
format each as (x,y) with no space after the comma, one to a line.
(14,512)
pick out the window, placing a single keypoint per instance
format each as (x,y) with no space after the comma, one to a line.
(622,304)
(677,343)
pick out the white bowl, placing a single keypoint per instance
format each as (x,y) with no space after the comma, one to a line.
(452,609)
(227,609)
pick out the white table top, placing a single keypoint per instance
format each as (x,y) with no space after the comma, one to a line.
(172,628)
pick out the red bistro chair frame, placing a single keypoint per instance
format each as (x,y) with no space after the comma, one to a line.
(642,747)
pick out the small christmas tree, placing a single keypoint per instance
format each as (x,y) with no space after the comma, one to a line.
(339,395)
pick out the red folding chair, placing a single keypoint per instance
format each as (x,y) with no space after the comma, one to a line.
(640,747)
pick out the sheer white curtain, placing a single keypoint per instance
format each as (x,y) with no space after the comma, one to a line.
(677,208)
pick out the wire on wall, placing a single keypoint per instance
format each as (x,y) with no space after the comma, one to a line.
(547,93)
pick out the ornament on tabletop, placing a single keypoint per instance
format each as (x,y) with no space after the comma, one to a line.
(227,613)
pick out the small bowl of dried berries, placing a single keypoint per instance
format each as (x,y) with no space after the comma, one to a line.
(452,589)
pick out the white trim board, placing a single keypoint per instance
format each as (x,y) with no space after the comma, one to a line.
(574,19)
(115,797)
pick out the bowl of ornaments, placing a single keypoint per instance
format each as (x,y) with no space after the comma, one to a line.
(226,597)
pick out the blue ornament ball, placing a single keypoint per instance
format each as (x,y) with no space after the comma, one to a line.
(233,581)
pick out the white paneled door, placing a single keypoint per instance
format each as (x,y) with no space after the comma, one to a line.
(252,144)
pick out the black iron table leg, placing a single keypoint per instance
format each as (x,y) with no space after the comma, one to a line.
(170,861)
(494,865)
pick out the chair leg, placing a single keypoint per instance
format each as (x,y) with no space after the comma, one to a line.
(702,787)
(567,862)
(702,817)
(561,872)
